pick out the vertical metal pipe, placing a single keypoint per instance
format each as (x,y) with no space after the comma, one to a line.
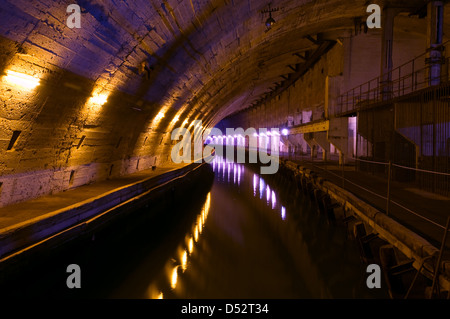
(387,52)
(438,262)
(389,188)
(435,36)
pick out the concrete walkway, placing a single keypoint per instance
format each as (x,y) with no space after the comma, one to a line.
(20,212)
(427,215)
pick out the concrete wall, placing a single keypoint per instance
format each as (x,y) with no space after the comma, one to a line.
(63,141)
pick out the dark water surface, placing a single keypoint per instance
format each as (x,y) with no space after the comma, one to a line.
(254,237)
(240,236)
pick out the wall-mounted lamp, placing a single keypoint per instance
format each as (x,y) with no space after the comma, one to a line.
(99,99)
(20,79)
(270,21)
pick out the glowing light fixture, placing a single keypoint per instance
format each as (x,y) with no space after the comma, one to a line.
(285,131)
(159,116)
(99,99)
(175,119)
(270,21)
(22,80)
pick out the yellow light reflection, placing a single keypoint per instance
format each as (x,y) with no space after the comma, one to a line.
(191,245)
(159,116)
(160,296)
(174,280)
(196,233)
(175,119)
(184,260)
(22,80)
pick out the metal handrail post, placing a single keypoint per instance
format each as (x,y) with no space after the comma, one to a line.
(389,188)
(441,252)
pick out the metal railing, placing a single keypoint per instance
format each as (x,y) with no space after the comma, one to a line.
(407,78)
(384,199)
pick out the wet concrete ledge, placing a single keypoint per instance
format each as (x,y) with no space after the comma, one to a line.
(405,240)
(19,242)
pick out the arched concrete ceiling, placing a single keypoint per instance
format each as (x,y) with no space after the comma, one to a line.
(208,58)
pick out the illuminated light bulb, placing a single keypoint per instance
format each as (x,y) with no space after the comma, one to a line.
(285,132)
(160,296)
(22,80)
(99,99)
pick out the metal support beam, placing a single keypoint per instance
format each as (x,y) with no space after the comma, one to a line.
(434,40)
(387,51)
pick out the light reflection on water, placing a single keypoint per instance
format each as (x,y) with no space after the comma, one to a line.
(253,247)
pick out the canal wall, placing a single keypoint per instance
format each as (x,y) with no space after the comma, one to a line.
(25,243)
(405,242)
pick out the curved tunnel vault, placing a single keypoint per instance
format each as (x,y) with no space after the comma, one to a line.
(159,65)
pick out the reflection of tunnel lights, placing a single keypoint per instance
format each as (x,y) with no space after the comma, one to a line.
(22,80)
(283,213)
(196,233)
(184,260)
(274,200)
(262,187)
(159,116)
(191,245)
(175,119)
(174,280)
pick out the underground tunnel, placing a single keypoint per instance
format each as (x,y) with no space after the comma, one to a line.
(224,149)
